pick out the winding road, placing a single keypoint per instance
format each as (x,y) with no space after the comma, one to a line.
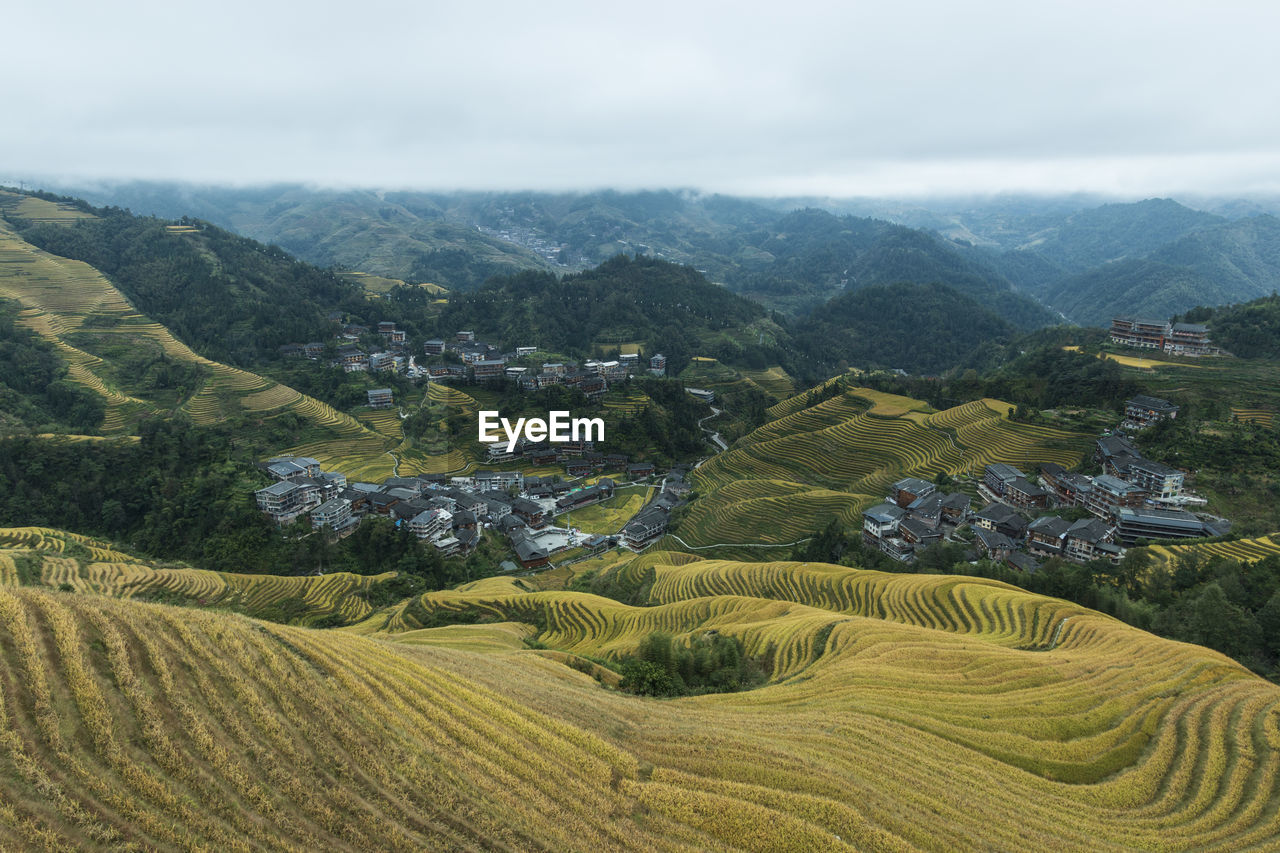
(712,434)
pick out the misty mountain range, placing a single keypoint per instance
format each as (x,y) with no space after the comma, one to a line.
(1031,261)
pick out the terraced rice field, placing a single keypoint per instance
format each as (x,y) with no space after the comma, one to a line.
(901,712)
(39,210)
(774,381)
(1254,416)
(89,566)
(385,422)
(630,401)
(768,512)
(58,541)
(840,455)
(921,712)
(447,395)
(1243,550)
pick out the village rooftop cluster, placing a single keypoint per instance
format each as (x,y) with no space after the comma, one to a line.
(450,512)
(1133,498)
(476,362)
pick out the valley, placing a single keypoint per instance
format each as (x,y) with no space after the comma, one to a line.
(164,644)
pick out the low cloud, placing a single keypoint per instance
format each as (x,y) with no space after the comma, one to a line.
(812,98)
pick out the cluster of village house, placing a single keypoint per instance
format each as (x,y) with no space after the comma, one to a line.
(449,512)
(480,362)
(1172,338)
(1134,498)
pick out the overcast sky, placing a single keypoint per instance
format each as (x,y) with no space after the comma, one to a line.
(850,98)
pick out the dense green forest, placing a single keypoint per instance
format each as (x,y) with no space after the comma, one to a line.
(1043,376)
(672,307)
(1248,330)
(34,392)
(1222,604)
(928,328)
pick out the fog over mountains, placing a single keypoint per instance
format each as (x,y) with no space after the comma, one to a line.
(1032,260)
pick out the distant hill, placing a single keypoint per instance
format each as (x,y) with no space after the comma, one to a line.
(1142,287)
(789,262)
(921,328)
(413,237)
(661,305)
(812,256)
(1154,257)
(230,298)
(1116,231)
(1232,262)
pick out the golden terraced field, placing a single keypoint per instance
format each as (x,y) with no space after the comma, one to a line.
(89,566)
(901,712)
(1243,550)
(809,464)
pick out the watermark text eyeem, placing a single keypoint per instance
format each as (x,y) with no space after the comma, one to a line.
(557,428)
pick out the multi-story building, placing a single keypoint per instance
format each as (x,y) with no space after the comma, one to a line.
(336,513)
(379,398)
(1090,539)
(1141,332)
(1158,480)
(1189,339)
(1068,488)
(353,359)
(997,476)
(881,522)
(1002,519)
(1047,536)
(1021,492)
(905,491)
(1143,411)
(1109,494)
(1142,523)
(489,368)
(644,528)
(431,523)
(389,331)
(285,501)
